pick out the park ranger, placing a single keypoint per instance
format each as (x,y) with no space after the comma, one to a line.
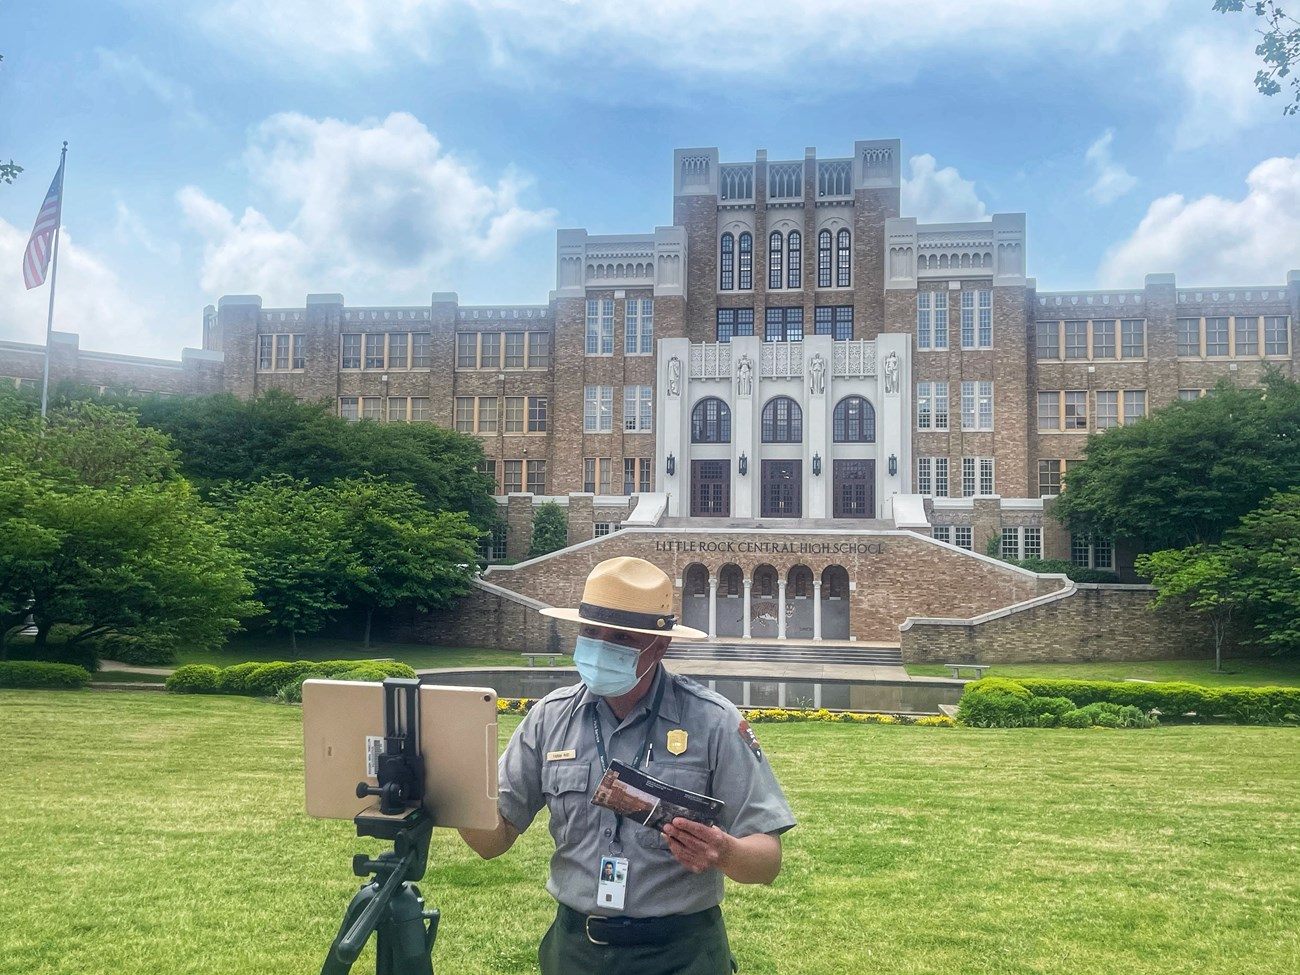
(630,899)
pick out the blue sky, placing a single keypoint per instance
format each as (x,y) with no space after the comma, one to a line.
(390,150)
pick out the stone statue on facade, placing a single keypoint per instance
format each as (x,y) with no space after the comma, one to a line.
(674,377)
(891,373)
(817,375)
(744,376)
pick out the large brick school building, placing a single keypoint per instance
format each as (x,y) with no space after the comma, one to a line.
(791,355)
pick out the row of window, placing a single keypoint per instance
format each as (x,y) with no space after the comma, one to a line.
(976,406)
(1051,475)
(787,324)
(503,350)
(598,409)
(975,317)
(853,421)
(1068,409)
(386,350)
(598,475)
(483,414)
(785,260)
(1091,340)
(281,353)
(1027,543)
(932,476)
(516,474)
(394,409)
(1235,336)
(638,326)
(1213,337)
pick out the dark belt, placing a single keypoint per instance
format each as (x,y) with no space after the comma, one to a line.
(600,930)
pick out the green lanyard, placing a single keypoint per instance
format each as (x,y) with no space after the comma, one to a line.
(640,757)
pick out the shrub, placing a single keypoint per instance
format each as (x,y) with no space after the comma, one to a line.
(1047,711)
(42,674)
(194,679)
(1105,715)
(291,693)
(1076,573)
(234,679)
(391,668)
(995,702)
(270,677)
(1176,701)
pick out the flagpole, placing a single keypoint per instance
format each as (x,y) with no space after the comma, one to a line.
(54,277)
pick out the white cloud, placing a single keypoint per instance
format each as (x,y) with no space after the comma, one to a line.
(935,195)
(1112,179)
(1214,241)
(690,36)
(90,301)
(377,209)
(1216,68)
(133,74)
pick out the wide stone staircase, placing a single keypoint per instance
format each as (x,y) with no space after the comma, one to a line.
(846,653)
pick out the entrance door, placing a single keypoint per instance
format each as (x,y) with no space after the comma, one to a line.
(782,488)
(710,488)
(855,489)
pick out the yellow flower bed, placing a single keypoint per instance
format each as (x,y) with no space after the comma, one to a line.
(520,705)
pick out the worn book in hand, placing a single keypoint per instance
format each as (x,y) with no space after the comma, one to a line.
(652,802)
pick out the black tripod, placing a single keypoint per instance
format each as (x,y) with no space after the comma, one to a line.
(391,905)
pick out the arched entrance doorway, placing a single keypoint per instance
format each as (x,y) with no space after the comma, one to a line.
(731,601)
(695,596)
(799,603)
(835,603)
(764,605)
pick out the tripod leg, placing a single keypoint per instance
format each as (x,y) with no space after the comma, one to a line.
(404,945)
(334,965)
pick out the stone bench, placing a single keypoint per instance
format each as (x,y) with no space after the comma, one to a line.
(532,657)
(956,669)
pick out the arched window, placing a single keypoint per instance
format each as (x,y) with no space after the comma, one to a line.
(711,421)
(799,583)
(730,580)
(782,421)
(726,279)
(854,421)
(765,580)
(697,580)
(794,259)
(774,253)
(842,260)
(746,281)
(824,259)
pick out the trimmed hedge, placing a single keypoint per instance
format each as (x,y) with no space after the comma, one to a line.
(40,674)
(278,678)
(194,679)
(1000,702)
(1176,701)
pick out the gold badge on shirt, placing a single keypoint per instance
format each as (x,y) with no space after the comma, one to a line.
(676,741)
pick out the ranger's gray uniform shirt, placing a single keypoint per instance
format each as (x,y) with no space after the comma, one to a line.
(721,759)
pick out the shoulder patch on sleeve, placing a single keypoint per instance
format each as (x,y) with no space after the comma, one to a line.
(750,739)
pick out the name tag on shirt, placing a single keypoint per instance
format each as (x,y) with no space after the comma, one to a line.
(561,756)
(612,888)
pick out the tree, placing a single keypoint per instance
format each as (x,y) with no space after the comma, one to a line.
(146,562)
(98,531)
(223,438)
(1279,46)
(294,543)
(399,551)
(1198,577)
(9,171)
(1188,472)
(1264,554)
(550,530)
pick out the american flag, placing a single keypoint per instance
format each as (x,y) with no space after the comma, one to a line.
(36,260)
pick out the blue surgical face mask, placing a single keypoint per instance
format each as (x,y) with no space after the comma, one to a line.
(608,669)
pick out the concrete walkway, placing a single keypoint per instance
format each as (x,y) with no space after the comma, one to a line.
(117,667)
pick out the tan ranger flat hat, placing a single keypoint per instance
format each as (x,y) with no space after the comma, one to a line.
(629,594)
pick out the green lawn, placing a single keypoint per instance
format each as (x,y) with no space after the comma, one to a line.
(418,655)
(157,833)
(1251,672)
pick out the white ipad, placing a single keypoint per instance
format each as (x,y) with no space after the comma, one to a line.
(343,729)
